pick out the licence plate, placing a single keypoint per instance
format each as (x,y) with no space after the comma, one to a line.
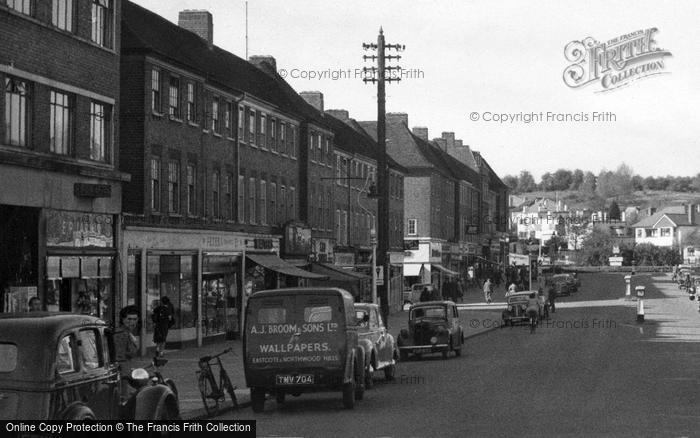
(423,350)
(297,379)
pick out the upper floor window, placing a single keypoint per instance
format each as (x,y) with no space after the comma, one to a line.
(293,142)
(272,211)
(174,97)
(292,203)
(16,113)
(61,123)
(319,146)
(102,22)
(100,121)
(215,122)
(262,204)
(412,227)
(329,158)
(155,184)
(173,186)
(230,205)
(251,200)
(229,121)
(155,90)
(262,124)
(23,6)
(273,135)
(62,14)
(241,198)
(215,191)
(251,127)
(191,105)
(191,187)
(241,122)
(283,138)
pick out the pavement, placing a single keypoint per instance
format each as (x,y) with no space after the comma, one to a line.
(182,364)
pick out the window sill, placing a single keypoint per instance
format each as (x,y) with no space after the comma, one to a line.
(217,135)
(174,119)
(175,215)
(193,124)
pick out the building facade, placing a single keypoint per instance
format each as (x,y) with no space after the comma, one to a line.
(61,194)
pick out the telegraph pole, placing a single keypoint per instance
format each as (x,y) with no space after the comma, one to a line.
(380,77)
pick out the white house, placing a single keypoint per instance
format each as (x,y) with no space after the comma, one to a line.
(539,219)
(672,226)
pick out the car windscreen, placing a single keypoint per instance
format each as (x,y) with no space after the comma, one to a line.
(428,312)
(8,358)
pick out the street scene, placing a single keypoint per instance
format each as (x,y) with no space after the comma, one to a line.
(330,218)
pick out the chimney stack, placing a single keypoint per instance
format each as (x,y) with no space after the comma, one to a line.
(266,63)
(198,21)
(394,118)
(421,132)
(313,98)
(690,209)
(340,114)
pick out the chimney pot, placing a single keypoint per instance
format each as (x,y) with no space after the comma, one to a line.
(313,98)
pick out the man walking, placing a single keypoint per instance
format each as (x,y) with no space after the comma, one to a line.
(488,290)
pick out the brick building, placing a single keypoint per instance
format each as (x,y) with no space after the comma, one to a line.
(59,153)
(213,145)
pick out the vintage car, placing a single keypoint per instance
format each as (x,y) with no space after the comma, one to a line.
(516,305)
(300,340)
(433,327)
(59,366)
(564,284)
(379,345)
(412,295)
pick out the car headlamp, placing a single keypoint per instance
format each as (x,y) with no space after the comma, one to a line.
(433,340)
(140,376)
(523,306)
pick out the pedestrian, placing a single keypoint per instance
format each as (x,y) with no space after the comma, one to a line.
(511,289)
(488,290)
(425,294)
(551,294)
(34,304)
(460,290)
(125,346)
(162,321)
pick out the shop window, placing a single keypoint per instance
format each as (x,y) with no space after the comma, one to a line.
(172,276)
(220,297)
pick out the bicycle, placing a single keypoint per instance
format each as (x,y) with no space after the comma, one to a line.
(212,391)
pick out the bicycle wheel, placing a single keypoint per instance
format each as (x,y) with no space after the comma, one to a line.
(228,386)
(209,397)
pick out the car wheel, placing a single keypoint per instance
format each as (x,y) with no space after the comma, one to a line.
(257,399)
(79,413)
(369,383)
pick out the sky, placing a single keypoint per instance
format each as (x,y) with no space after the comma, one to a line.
(481,69)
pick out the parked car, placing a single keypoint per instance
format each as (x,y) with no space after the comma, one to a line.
(412,295)
(380,348)
(564,284)
(302,340)
(516,306)
(433,327)
(60,366)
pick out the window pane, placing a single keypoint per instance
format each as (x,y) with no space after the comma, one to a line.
(100,116)
(102,22)
(62,14)
(16,93)
(89,351)
(61,123)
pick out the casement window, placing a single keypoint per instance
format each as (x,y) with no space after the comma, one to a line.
(272,211)
(173,186)
(251,127)
(191,103)
(23,6)
(293,142)
(283,138)
(155,184)
(16,111)
(329,157)
(665,232)
(216,194)
(282,201)
(262,126)
(61,123)
(252,218)
(155,91)
(102,17)
(241,198)
(338,231)
(319,149)
(262,202)
(412,227)
(191,189)
(230,205)
(174,97)
(312,149)
(215,122)
(62,14)
(100,131)
(241,122)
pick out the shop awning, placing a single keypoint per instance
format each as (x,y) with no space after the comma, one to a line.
(412,269)
(445,270)
(333,271)
(272,262)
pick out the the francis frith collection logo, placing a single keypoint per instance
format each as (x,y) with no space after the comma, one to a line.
(615,63)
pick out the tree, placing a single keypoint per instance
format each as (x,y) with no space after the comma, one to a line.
(597,247)
(561,180)
(512,183)
(588,184)
(637,183)
(622,180)
(547,182)
(614,211)
(696,183)
(526,182)
(576,179)
(605,185)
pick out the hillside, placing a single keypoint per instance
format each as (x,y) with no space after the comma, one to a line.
(644,198)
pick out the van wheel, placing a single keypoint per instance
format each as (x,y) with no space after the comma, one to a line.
(79,413)
(349,395)
(280,397)
(257,399)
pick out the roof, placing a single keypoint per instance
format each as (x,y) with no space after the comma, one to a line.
(145,32)
(693,238)
(675,213)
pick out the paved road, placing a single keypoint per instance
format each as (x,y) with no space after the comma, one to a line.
(592,370)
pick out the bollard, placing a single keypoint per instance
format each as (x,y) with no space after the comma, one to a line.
(628,287)
(640,303)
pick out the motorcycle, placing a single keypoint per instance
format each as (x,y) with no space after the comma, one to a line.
(151,396)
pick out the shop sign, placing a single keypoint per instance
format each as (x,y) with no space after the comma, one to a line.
(297,240)
(260,243)
(410,245)
(92,190)
(223,242)
(73,229)
(396,258)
